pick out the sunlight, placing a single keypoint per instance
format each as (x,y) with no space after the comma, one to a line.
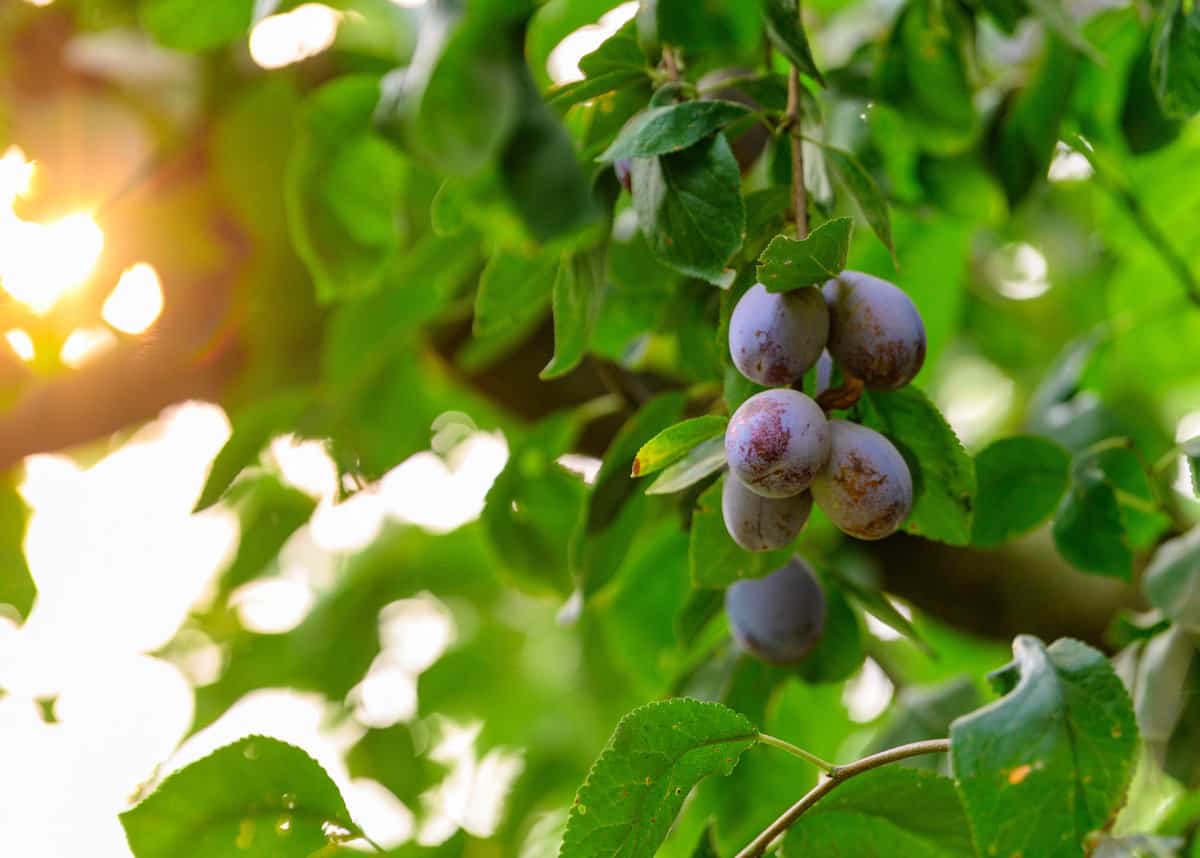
(136,302)
(975,396)
(563,62)
(867,693)
(289,37)
(1068,165)
(84,344)
(21,344)
(439,494)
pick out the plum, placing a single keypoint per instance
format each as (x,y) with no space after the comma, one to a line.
(775,338)
(762,524)
(776,442)
(875,331)
(779,618)
(866,488)
(823,377)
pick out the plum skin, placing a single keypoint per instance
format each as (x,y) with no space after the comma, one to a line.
(875,331)
(776,442)
(775,337)
(779,618)
(757,523)
(866,489)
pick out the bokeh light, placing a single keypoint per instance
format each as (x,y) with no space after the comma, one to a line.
(83,344)
(289,37)
(563,63)
(21,343)
(137,300)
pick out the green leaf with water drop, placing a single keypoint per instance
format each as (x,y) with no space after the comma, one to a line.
(256,798)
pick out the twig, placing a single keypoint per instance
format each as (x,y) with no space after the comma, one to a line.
(839,773)
(791,122)
(795,751)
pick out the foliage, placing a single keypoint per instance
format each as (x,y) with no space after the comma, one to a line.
(436,231)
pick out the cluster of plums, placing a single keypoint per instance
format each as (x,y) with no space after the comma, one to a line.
(784,453)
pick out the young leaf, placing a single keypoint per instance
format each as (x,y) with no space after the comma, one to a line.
(1172,580)
(578,290)
(787,35)
(613,510)
(1088,529)
(789,264)
(866,193)
(1040,469)
(253,427)
(1175,58)
(674,442)
(512,289)
(661,130)
(635,789)
(943,474)
(714,558)
(689,205)
(1051,761)
(875,814)
(195,25)
(234,801)
(701,461)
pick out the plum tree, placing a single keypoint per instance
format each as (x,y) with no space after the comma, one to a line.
(778,618)
(776,442)
(866,488)
(758,523)
(775,338)
(875,331)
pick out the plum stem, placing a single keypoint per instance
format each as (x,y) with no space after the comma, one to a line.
(837,775)
(791,122)
(796,751)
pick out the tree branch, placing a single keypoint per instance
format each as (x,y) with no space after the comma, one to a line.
(839,774)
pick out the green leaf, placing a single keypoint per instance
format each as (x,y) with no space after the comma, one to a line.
(871,200)
(578,290)
(943,474)
(636,787)
(1175,58)
(16,585)
(1050,762)
(786,33)
(1037,467)
(256,797)
(689,205)
(789,264)
(706,847)
(344,187)
(661,130)
(674,442)
(195,25)
(512,289)
(1191,452)
(539,172)
(925,712)
(458,101)
(893,811)
(701,461)
(614,507)
(875,603)
(1088,529)
(253,428)
(532,506)
(269,512)
(698,611)
(1172,580)
(618,53)
(714,558)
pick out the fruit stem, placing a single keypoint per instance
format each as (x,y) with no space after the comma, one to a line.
(838,774)
(791,122)
(796,751)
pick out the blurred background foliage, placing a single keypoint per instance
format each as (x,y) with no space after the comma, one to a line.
(346,224)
